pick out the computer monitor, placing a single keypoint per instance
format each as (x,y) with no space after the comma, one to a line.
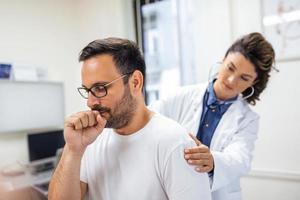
(43,145)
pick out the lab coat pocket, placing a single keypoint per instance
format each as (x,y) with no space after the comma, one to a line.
(235,195)
(225,140)
(234,187)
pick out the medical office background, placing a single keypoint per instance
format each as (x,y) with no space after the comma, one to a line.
(181,40)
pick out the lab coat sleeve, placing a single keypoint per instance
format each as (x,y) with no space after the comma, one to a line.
(174,106)
(163,106)
(181,181)
(234,160)
(159,106)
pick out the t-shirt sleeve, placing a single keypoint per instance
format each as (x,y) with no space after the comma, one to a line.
(83,168)
(181,181)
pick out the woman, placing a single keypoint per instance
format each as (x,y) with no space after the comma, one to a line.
(224,126)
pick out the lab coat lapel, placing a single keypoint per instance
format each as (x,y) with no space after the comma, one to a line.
(228,125)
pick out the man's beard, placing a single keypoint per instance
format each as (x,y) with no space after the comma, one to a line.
(122,113)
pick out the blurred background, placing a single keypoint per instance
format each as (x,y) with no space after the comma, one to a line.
(40,41)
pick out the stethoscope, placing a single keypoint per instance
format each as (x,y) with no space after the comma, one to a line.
(212,75)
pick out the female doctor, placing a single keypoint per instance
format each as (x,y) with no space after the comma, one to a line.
(219,117)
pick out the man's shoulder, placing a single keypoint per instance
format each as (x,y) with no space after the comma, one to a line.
(164,123)
(104,135)
(169,132)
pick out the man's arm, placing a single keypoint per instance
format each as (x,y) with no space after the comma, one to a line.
(65,183)
(84,188)
(80,130)
(181,181)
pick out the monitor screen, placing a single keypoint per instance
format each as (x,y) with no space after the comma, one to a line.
(44,144)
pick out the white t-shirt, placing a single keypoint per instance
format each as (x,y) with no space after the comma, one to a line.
(146,165)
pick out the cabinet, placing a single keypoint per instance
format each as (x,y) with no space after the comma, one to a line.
(30,105)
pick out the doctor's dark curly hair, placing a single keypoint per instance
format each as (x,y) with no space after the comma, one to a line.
(261,54)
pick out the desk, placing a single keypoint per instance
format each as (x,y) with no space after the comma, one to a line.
(21,187)
(22,194)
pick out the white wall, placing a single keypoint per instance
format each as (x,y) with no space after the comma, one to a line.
(262,187)
(276,164)
(50,34)
(212,34)
(102,18)
(43,34)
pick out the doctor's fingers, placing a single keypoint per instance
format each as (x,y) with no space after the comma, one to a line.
(197,156)
(200,163)
(198,149)
(198,143)
(203,169)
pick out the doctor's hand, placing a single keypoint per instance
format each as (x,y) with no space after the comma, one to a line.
(82,128)
(200,156)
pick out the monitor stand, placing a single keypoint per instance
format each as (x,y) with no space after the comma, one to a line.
(43,165)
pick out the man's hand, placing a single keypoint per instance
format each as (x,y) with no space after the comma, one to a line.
(82,128)
(200,156)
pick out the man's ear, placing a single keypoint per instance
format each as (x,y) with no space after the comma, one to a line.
(136,81)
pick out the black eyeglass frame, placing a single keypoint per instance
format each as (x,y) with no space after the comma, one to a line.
(105,87)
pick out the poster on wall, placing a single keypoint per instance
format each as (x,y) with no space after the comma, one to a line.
(281,26)
(5,71)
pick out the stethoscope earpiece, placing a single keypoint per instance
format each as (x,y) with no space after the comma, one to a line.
(249,95)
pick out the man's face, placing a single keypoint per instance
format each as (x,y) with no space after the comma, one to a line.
(118,106)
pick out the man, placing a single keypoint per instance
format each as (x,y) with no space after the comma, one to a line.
(120,149)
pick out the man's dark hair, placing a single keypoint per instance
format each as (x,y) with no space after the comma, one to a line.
(261,54)
(126,54)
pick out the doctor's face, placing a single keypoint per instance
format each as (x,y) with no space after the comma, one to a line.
(118,105)
(235,75)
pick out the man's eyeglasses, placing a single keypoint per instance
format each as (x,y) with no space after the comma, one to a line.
(98,90)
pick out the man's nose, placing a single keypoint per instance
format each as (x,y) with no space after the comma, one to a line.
(92,100)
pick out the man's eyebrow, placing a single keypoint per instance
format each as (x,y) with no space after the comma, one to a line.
(96,84)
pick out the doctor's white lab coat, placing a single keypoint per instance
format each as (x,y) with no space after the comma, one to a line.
(232,144)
